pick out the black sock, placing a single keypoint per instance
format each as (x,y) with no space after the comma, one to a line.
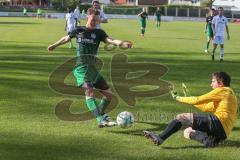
(172,127)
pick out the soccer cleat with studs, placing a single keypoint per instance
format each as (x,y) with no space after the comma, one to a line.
(106,117)
(210,142)
(105,123)
(155,138)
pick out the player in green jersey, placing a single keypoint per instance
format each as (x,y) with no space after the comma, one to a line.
(39,13)
(143,16)
(87,76)
(157,16)
(208,28)
(24,11)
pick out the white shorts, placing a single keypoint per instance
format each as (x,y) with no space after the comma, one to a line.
(218,40)
(70,29)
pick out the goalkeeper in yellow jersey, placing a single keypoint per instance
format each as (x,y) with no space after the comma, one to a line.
(207,128)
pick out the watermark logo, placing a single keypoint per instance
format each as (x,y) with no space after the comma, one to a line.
(125,77)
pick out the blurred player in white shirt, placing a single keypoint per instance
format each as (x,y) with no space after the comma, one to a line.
(219,23)
(70,23)
(103,17)
(77,15)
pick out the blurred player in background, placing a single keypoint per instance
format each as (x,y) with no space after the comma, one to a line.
(77,15)
(24,11)
(208,28)
(219,23)
(39,13)
(143,16)
(70,23)
(103,17)
(157,17)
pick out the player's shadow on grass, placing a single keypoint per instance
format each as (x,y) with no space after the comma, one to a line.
(179,38)
(230,143)
(139,132)
(184,147)
(227,143)
(12,23)
(236,129)
(21,42)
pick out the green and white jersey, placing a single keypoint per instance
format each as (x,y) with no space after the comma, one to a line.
(158,14)
(209,22)
(87,44)
(24,11)
(143,16)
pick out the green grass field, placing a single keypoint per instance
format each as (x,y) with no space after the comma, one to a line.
(29,128)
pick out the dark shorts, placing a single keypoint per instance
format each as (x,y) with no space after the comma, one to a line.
(101,84)
(158,19)
(89,76)
(210,124)
(143,24)
(210,33)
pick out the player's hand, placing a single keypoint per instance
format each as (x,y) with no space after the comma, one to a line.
(51,48)
(174,95)
(228,37)
(126,44)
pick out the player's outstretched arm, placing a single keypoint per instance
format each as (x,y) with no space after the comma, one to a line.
(140,14)
(62,41)
(125,44)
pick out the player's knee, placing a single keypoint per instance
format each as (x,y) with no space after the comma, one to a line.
(187,132)
(180,117)
(89,92)
(185,119)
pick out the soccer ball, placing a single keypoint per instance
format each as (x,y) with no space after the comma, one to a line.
(125,119)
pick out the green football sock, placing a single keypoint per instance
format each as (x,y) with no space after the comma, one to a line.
(103,105)
(207,45)
(92,106)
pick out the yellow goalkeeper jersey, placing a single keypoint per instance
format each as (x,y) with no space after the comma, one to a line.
(222,102)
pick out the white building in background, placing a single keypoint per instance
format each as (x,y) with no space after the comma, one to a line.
(185,2)
(105,1)
(90,1)
(233,5)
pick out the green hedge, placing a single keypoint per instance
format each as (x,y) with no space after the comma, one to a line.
(152,9)
(55,8)
(133,10)
(125,10)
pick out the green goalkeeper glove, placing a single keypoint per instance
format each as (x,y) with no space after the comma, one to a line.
(174,93)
